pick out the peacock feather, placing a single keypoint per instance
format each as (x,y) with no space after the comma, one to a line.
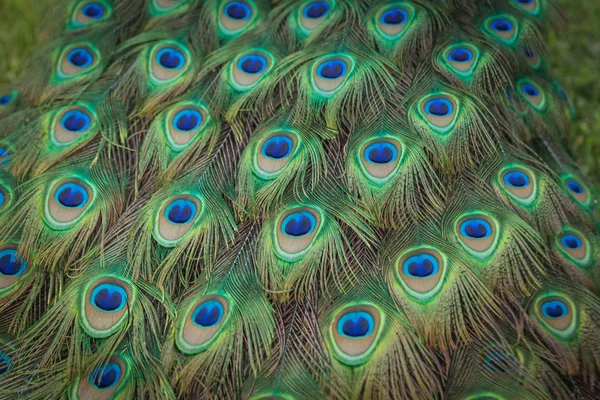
(288,199)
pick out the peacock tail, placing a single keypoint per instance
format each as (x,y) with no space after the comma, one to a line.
(295,199)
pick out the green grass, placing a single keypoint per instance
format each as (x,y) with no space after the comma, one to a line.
(575,57)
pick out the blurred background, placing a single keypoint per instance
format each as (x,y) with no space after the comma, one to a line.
(574,54)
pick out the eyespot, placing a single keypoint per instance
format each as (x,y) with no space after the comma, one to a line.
(460,55)
(440,112)
(504,28)
(273,153)
(208,314)
(108,297)
(168,62)
(438,107)
(380,158)
(12,266)
(170,58)
(75,121)
(529,6)
(519,184)
(420,272)
(313,14)
(393,21)
(71,124)
(575,247)
(329,74)
(104,382)
(175,219)
(532,94)
(106,306)
(295,232)
(80,57)
(71,195)
(89,13)
(558,314)
(316,9)
(5,364)
(77,60)
(184,125)
(298,224)
(93,10)
(249,69)
(203,321)
(105,375)
(4,156)
(577,190)
(236,16)
(477,234)
(354,333)
(66,203)
(277,147)
(5,99)
(462,59)
(180,211)
(331,69)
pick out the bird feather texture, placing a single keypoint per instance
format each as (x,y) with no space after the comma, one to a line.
(332,199)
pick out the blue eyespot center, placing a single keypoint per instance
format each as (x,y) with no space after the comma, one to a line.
(80,57)
(421,266)
(516,179)
(277,147)
(187,120)
(2,198)
(10,263)
(554,309)
(316,9)
(439,107)
(461,54)
(381,153)
(71,195)
(93,10)
(5,99)
(530,90)
(332,69)
(237,10)
(252,64)
(5,363)
(299,223)
(105,376)
(394,16)
(575,187)
(357,324)
(571,241)
(109,297)
(170,58)
(502,25)
(524,1)
(75,121)
(208,314)
(180,211)
(476,228)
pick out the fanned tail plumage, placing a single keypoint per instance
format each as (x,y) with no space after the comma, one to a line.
(295,199)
